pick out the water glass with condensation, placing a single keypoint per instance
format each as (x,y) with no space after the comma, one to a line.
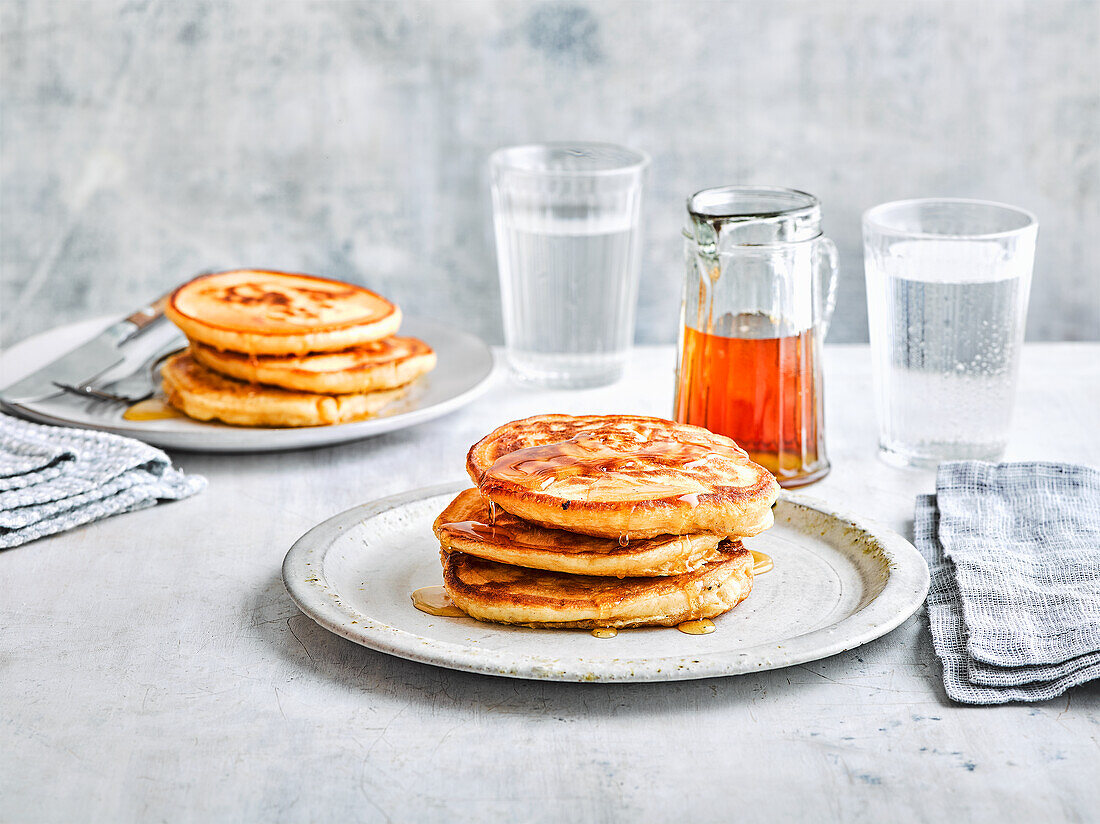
(566,219)
(947,291)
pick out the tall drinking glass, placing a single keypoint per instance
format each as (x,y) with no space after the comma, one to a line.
(566,218)
(947,291)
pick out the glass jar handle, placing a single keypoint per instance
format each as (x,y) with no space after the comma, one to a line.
(826,255)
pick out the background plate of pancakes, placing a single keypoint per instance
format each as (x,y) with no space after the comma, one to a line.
(839,581)
(462,371)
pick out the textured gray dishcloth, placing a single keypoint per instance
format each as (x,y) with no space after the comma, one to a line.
(52,478)
(1014,603)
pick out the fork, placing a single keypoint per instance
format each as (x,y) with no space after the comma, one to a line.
(143,374)
(89,392)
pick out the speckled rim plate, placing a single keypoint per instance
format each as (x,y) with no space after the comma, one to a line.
(839,581)
(462,373)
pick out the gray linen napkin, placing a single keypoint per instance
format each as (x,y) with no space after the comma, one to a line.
(52,479)
(1014,603)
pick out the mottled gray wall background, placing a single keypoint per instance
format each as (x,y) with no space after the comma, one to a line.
(144,141)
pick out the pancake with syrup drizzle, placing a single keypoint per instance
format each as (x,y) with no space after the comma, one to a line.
(205,395)
(467,526)
(276,313)
(622,476)
(506,594)
(381,364)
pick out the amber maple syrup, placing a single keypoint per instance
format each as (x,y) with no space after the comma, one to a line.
(703,626)
(761,391)
(151,409)
(761,563)
(436,601)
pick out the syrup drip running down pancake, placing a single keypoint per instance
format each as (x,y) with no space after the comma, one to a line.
(622,476)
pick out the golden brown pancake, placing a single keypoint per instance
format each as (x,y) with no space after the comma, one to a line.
(380,364)
(205,395)
(277,313)
(622,476)
(464,526)
(490,591)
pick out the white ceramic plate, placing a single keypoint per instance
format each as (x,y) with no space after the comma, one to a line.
(839,581)
(461,374)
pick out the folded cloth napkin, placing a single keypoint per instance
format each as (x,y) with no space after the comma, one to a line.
(52,479)
(1014,602)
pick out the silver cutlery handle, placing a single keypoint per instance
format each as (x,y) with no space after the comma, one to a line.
(138,321)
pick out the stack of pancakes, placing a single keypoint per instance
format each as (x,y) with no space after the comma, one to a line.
(279,349)
(603,521)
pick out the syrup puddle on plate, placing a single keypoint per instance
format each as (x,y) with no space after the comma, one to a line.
(152,409)
(761,563)
(436,601)
(704,626)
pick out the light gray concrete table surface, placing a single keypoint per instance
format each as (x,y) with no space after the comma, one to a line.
(153,668)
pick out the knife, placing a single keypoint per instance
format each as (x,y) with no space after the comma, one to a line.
(89,361)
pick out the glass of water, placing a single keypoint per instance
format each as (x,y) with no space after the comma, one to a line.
(947,291)
(566,218)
